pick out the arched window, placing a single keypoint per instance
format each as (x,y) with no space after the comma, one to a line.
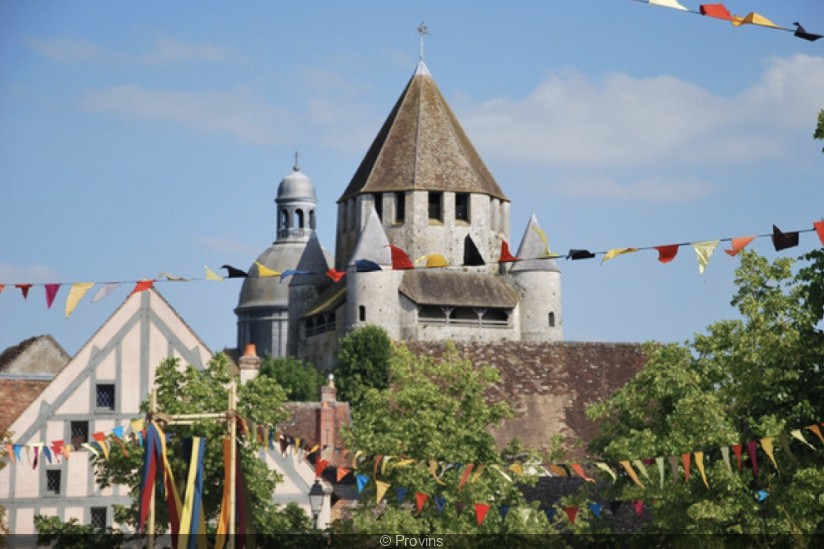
(299,219)
(284,219)
(312,219)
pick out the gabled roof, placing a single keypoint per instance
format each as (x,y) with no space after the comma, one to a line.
(421,146)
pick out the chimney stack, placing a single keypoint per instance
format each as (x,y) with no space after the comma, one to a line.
(249,364)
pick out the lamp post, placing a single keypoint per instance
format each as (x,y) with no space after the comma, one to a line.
(316,496)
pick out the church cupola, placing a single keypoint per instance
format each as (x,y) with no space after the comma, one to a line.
(296,202)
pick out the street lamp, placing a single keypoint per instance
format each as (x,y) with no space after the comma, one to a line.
(316,496)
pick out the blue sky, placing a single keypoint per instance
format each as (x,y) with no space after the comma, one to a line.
(140,137)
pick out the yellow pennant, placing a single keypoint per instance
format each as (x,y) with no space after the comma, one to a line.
(433,466)
(381,490)
(607,469)
(171,278)
(817,430)
(383,466)
(641,467)
(631,472)
(753,18)
(266,271)
(516,468)
(76,294)
(404,463)
(547,254)
(699,461)
(703,251)
(796,434)
(767,445)
(618,251)
(211,275)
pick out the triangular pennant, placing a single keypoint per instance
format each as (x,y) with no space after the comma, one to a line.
(335,275)
(171,278)
(673,461)
(550,514)
(547,254)
(381,489)
(639,507)
(715,10)
(76,293)
(401,493)
(420,499)
(142,286)
(506,257)
(211,275)
(471,256)
(685,459)
(580,472)
(751,448)
(819,229)
(596,509)
(503,511)
(753,18)
(615,506)
(641,467)
(571,513)
(439,503)
(24,288)
(668,4)
(293,272)
(616,252)
(631,472)
(659,461)
(785,444)
(767,446)
(342,472)
(104,291)
(580,254)
(263,270)
(782,241)
(667,253)
(459,507)
(607,469)
(465,475)
(817,430)
(725,454)
(761,495)
(738,244)
(736,449)
(366,266)
(480,512)
(703,251)
(699,462)
(361,480)
(400,261)
(51,293)
(556,470)
(802,33)
(320,466)
(234,273)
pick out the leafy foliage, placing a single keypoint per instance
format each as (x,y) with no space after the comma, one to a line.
(299,379)
(745,379)
(819,129)
(363,363)
(435,410)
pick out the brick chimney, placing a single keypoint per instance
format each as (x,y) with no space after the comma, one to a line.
(327,427)
(249,364)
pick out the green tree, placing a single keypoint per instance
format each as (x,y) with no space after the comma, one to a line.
(435,410)
(743,380)
(193,391)
(363,363)
(299,379)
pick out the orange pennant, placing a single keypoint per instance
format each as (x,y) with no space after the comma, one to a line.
(342,472)
(738,244)
(142,285)
(685,459)
(817,430)
(819,228)
(465,475)
(737,451)
(580,470)
(335,275)
(631,472)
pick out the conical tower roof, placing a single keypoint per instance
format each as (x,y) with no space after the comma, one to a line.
(421,146)
(534,252)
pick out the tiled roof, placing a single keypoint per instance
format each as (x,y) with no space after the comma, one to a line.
(422,146)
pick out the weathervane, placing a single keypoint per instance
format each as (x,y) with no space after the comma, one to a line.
(297,166)
(421,31)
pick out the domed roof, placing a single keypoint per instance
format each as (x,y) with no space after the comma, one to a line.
(296,186)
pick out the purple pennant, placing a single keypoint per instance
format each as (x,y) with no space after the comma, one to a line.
(751,447)
(51,292)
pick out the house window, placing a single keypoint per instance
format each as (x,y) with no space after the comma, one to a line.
(98,518)
(53,480)
(105,396)
(362,313)
(551,320)
(400,207)
(80,433)
(435,206)
(462,207)
(377,198)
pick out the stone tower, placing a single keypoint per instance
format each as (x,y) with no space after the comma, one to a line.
(263,307)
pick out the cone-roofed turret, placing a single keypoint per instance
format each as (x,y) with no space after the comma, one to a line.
(422,146)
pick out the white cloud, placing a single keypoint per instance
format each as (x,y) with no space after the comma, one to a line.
(651,189)
(166,51)
(571,120)
(22,274)
(239,113)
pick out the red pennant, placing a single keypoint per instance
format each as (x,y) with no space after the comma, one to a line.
(736,449)
(342,472)
(320,466)
(715,10)
(751,447)
(420,499)
(819,228)
(24,288)
(378,459)
(480,512)
(738,244)
(51,292)
(667,253)
(1,287)
(400,260)
(506,257)
(57,446)
(685,459)
(142,285)
(571,512)
(639,506)
(335,275)
(465,475)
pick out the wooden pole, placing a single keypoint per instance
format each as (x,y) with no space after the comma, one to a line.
(151,528)
(233,464)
